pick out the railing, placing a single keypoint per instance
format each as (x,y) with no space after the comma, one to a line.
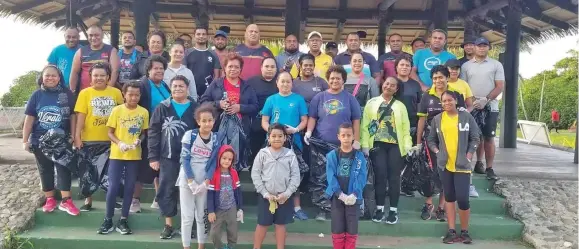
(11,119)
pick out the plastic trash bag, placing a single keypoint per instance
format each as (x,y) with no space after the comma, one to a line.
(55,144)
(369,193)
(289,143)
(480,116)
(318,180)
(421,172)
(235,136)
(92,165)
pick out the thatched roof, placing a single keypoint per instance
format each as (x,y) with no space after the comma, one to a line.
(542,19)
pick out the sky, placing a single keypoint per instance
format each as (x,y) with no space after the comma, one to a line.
(28,46)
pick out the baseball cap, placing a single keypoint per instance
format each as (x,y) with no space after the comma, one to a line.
(452,63)
(467,41)
(314,33)
(331,45)
(220,33)
(481,40)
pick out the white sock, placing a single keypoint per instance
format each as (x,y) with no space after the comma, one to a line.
(394,209)
(381,208)
(297,209)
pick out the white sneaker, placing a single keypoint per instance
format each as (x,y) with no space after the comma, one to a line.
(155,205)
(472,192)
(135,206)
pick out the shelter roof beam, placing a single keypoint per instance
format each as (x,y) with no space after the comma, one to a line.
(482,10)
(564,4)
(532,9)
(28,5)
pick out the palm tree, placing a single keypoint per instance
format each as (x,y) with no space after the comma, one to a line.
(171,128)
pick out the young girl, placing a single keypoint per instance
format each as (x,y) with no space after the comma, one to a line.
(127,125)
(276,176)
(224,199)
(454,149)
(347,173)
(198,162)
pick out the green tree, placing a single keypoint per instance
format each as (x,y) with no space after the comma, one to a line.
(20,90)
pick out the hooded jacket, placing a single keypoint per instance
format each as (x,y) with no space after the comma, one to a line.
(188,139)
(358,176)
(145,100)
(275,175)
(468,140)
(138,69)
(166,129)
(215,183)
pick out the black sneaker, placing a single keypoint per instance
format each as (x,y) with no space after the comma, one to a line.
(440,214)
(118,206)
(450,237)
(321,216)
(465,238)
(123,227)
(491,174)
(427,211)
(392,217)
(168,232)
(86,207)
(106,227)
(378,216)
(479,167)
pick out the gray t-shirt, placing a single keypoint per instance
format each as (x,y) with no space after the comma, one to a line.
(481,77)
(368,88)
(226,196)
(309,89)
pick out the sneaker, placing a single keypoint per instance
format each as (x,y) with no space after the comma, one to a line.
(301,215)
(427,211)
(491,174)
(106,227)
(465,238)
(135,206)
(50,205)
(378,216)
(392,217)
(68,206)
(86,207)
(167,233)
(479,167)
(472,192)
(118,206)
(321,216)
(450,237)
(440,214)
(123,227)
(155,205)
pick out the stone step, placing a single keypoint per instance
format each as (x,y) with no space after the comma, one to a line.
(487,227)
(47,237)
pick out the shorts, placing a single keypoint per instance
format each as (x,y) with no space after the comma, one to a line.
(304,182)
(146,173)
(490,127)
(284,214)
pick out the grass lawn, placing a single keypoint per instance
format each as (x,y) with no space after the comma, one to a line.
(564,138)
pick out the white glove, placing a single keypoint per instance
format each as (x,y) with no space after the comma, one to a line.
(26,146)
(291,130)
(307,137)
(137,142)
(415,149)
(202,188)
(350,200)
(343,197)
(480,103)
(366,151)
(194,187)
(240,215)
(356,145)
(123,146)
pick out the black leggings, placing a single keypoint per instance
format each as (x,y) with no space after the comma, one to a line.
(46,171)
(456,187)
(344,218)
(387,162)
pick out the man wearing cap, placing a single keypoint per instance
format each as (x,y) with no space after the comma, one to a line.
(220,43)
(287,58)
(425,59)
(204,64)
(386,61)
(486,78)
(468,47)
(417,44)
(332,49)
(322,61)
(370,69)
(252,52)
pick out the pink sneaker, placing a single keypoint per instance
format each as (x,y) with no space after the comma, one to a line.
(69,207)
(50,205)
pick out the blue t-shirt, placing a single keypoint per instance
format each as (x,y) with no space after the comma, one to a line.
(424,60)
(286,110)
(50,110)
(180,108)
(62,57)
(158,94)
(332,110)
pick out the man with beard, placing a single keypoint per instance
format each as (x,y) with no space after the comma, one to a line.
(322,61)
(425,59)
(370,68)
(252,53)
(386,61)
(63,55)
(128,56)
(287,58)
(204,64)
(468,47)
(220,43)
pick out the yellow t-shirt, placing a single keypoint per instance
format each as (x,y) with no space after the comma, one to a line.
(97,106)
(323,63)
(462,87)
(449,128)
(128,124)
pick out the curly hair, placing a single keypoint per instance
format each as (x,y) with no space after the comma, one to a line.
(337,69)
(233,57)
(440,69)
(154,58)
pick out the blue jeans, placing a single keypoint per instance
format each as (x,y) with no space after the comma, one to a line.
(115,174)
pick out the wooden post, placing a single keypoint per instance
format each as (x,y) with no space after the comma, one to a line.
(115,28)
(440,15)
(508,137)
(142,13)
(293,18)
(382,30)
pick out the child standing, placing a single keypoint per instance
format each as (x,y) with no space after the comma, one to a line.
(347,173)
(127,125)
(224,199)
(276,176)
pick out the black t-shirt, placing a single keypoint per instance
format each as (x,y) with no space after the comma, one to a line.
(411,95)
(345,161)
(202,63)
(430,104)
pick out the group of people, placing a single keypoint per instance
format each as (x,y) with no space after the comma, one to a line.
(317,121)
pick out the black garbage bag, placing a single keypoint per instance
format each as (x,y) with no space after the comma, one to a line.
(290,144)
(369,193)
(236,137)
(480,116)
(318,178)
(421,172)
(55,145)
(92,165)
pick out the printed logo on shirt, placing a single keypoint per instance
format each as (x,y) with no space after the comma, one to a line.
(276,115)
(203,152)
(463,128)
(209,59)
(132,124)
(49,117)
(344,167)
(430,62)
(62,64)
(101,109)
(333,106)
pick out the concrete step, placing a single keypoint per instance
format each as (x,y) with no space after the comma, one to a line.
(49,237)
(483,227)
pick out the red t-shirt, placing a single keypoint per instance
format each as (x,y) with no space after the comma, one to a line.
(555,116)
(233,93)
